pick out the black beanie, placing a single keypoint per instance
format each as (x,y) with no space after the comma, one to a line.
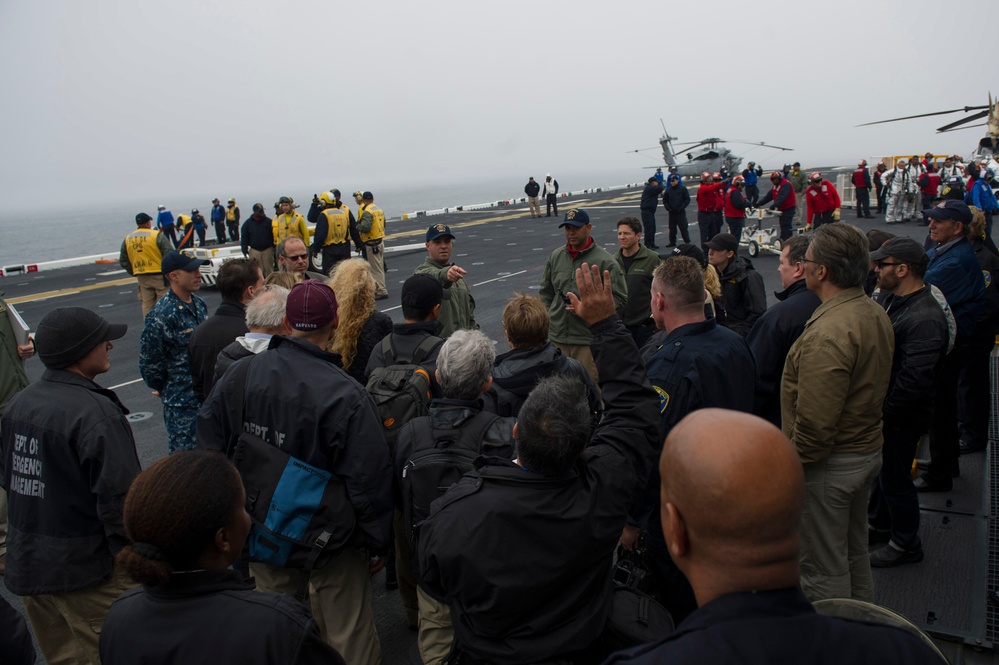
(67,334)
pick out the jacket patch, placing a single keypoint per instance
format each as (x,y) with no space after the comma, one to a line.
(663,399)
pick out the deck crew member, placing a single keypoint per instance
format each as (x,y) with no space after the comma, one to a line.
(550,192)
(785,201)
(232,219)
(335,228)
(165,223)
(218,221)
(532,189)
(371,224)
(141,253)
(289,222)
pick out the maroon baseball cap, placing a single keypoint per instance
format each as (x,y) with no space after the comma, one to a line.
(311,305)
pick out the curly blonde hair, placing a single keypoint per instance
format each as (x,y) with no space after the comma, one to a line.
(711,281)
(355,296)
(976,230)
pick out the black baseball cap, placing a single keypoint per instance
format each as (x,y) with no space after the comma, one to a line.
(724,242)
(905,250)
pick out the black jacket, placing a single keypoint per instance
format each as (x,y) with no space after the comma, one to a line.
(650,196)
(256,233)
(777,628)
(516,372)
(68,460)
(988,324)
(374,329)
(532,188)
(524,560)
(299,399)
(743,298)
(771,338)
(212,617)
(920,345)
(208,339)
(676,198)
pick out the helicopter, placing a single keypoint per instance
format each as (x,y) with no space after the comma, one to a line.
(988,146)
(704,155)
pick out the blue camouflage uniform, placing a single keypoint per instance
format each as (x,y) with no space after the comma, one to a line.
(164,365)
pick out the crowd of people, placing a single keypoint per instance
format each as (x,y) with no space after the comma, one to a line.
(313,442)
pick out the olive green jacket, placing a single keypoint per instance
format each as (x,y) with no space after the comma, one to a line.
(458,305)
(12,376)
(560,276)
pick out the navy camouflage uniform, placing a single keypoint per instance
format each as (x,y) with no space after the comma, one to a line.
(164,364)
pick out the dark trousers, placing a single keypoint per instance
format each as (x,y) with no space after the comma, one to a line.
(705,223)
(943,431)
(220,231)
(863,202)
(974,392)
(649,227)
(818,220)
(678,220)
(334,254)
(551,202)
(786,223)
(170,232)
(882,193)
(894,504)
(716,223)
(735,225)
(233,230)
(752,194)
(988,223)
(200,230)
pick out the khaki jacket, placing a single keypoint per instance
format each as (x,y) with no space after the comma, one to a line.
(836,377)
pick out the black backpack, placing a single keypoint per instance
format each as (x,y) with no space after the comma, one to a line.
(440,457)
(401,390)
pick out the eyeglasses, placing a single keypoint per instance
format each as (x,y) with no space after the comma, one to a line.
(297,257)
(882,264)
(810,261)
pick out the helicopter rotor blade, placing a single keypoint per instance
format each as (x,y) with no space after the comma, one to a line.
(641,149)
(962,121)
(758,144)
(924,115)
(957,129)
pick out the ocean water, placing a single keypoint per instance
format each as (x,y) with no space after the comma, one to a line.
(53,233)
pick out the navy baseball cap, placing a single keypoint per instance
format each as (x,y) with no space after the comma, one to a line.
(438,230)
(955,211)
(575,217)
(174,260)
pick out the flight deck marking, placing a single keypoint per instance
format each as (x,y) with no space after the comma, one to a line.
(401,234)
(111,272)
(497,279)
(122,385)
(68,292)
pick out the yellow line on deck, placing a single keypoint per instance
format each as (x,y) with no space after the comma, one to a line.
(65,292)
(402,234)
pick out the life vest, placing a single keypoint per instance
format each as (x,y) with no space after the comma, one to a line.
(185,220)
(230,214)
(730,209)
(285,226)
(339,222)
(859,178)
(932,186)
(792,198)
(821,198)
(377,231)
(143,253)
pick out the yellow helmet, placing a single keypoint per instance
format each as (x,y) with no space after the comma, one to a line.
(327,199)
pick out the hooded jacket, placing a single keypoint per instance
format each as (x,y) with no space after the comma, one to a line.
(743,298)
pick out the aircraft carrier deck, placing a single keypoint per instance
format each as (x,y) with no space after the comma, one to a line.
(952,594)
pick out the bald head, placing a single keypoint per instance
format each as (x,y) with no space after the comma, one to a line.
(732,495)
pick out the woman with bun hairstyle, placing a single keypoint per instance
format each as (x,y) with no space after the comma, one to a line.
(185,517)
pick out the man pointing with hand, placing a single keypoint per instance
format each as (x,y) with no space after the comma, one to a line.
(458,305)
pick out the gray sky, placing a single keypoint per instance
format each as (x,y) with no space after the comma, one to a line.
(118,100)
